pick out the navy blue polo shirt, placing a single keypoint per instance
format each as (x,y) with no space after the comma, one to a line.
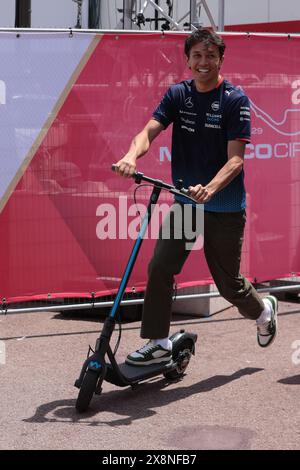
(203,123)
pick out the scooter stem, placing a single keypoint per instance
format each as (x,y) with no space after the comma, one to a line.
(137,245)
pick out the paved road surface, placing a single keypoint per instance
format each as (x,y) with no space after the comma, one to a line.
(235,395)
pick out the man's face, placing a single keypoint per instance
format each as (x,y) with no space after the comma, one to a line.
(205,63)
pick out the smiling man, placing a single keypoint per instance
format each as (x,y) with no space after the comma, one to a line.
(211,126)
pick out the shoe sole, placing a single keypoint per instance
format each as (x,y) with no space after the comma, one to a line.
(274,303)
(159,360)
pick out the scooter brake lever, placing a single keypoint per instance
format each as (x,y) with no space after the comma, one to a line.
(184,193)
(138,177)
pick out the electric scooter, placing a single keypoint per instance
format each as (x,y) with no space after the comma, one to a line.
(96,368)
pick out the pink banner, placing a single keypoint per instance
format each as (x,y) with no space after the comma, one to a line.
(62,197)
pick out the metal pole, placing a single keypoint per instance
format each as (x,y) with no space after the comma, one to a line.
(221,15)
(94,8)
(209,15)
(79,14)
(194,18)
(127,14)
(156,17)
(60,308)
(23,14)
(41,31)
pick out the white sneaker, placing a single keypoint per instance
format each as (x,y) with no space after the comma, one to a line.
(149,354)
(266,332)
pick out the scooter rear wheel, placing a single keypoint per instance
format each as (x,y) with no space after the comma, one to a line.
(86,391)
(181,354)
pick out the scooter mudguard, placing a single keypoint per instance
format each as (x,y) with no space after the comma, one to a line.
(182,336)
(94,363)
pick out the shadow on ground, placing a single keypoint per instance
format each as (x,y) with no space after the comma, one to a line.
(131,405)
(293,380)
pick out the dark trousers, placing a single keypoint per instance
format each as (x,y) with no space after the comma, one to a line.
(223,239)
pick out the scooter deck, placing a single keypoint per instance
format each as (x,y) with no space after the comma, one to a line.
(132,374)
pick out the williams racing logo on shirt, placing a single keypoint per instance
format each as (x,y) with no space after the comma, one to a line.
(213,121)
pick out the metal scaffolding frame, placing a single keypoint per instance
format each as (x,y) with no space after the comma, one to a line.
(141,19)
(133,13)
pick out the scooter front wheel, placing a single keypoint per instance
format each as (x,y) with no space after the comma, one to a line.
(87,390)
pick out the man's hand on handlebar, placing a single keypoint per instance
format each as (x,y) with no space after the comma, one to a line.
(200,194)
(126,166)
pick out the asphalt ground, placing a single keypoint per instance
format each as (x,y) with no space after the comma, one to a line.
(235,395)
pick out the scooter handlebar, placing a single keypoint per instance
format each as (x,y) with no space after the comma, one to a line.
(138,177)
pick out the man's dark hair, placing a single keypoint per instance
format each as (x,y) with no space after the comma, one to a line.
(206,36)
